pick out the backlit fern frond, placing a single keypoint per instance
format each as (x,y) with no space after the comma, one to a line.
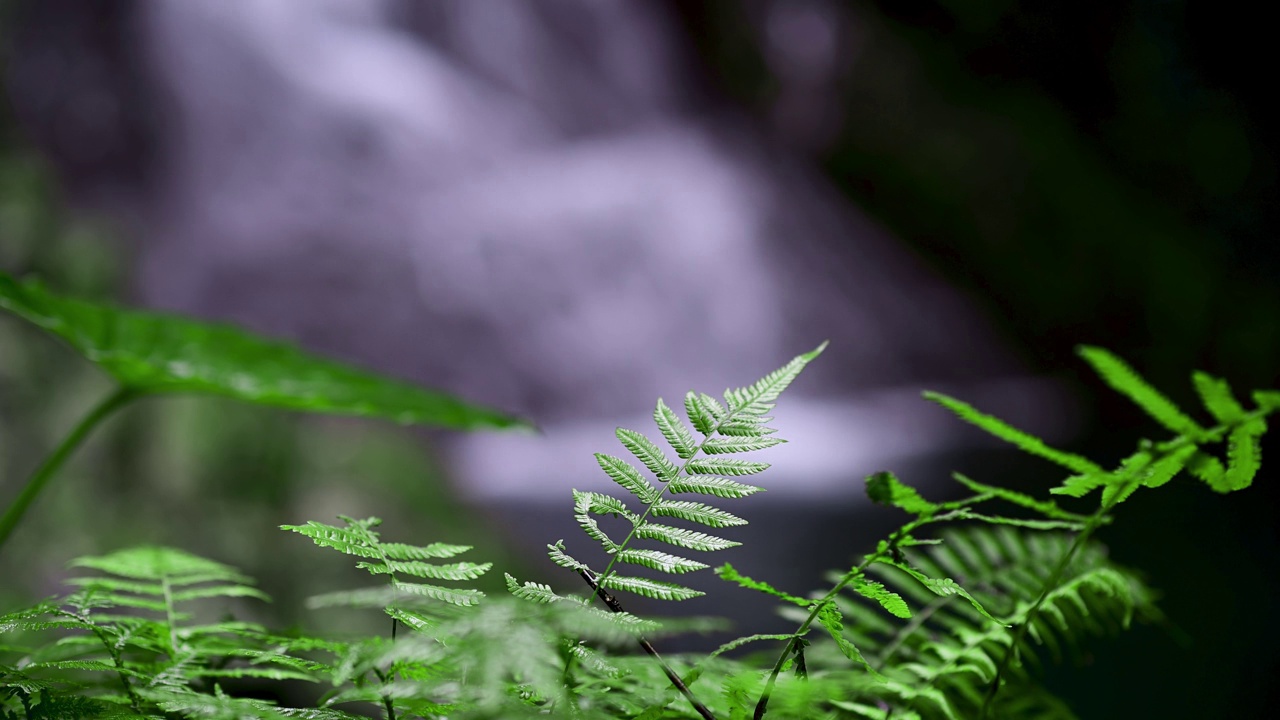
(1154,464)
(737,426)
(406,601)
(942,661)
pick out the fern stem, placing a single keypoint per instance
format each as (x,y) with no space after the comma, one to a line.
(614,606)
(1097,520)
(386,699)
(13,514)
(886,550)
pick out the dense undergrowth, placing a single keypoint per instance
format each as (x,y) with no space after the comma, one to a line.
(951,615)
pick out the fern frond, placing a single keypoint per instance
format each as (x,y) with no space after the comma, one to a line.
(833,622)
(683,538)
(1218,399)
(658,560)
(674,430)
(696,512)
(648,454)
(737,444)
(453,571)
(710,485)
(885,488)
(942,660)
(1244,455)
(724,466)
(655,589)
(729,573)
(760,396)
(1044,507)
(628,477)
(391,559)
(1125,380)
(887,599)
(1021,439)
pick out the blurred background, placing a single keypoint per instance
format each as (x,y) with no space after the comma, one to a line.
(568,208)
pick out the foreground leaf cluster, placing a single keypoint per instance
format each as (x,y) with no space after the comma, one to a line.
(951,616)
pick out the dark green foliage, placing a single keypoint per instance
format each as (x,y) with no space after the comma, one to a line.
(951,616)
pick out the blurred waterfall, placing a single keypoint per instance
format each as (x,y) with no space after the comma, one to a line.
(532,204)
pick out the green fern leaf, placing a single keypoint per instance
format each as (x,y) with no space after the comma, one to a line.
(602,504)
(452,571)
(1218,398)
(582,507)
(1244,455)
(683,538)
(346,540)
(1164,469)
(214,591)
(726,445)
(654,589)
(696,512)
(628,477)
(674,430)
(462,597)
(888,599)
(702,419)
(434,551)
(943,587)
(1116,373)
(1268,400)
(831,619)
(563,559)
(885,488)
(759,398)
(657,560)
(740,426)
(1209,469)
(161,563)
(1044,507)
(724,466)
(729,573)
(711,485)
(1027,442)
(1081,485)
(712,407)
(648,453)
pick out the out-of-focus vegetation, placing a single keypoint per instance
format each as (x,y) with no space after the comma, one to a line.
(207,474)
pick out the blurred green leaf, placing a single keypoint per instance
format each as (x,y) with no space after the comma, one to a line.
(156,353)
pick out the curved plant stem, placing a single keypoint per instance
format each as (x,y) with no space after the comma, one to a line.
(615,606)
(1095,521)
(13,514)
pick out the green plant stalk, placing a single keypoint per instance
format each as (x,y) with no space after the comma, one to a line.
(1096,521)
(13,514)
(762,705)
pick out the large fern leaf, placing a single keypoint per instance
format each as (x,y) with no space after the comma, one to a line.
(955,647)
